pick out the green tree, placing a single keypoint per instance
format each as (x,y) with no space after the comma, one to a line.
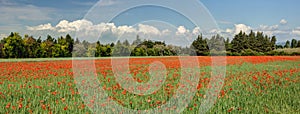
(279,47)
(108,50)
(287,44)
(38,50)
(62,48)
(200,46)
(91,51)
(266,47)
(31,45)
(238,42)
(98,49)
(159,50)
(259,42)
(14,46)
(228,45)
(1,47)
(298,44)
(48,45)
(273,43)
(70,44)
(252,40)
(43,50)
(294,43)
(217,43)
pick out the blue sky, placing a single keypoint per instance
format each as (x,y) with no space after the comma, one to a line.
(37,17)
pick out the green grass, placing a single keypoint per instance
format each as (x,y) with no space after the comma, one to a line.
(247,95)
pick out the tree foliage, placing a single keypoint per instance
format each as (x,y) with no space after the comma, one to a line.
(257,42)
(14,46)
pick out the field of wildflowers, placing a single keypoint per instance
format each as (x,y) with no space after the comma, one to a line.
(252,85)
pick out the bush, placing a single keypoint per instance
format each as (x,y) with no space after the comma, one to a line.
(249,52)
(295,54)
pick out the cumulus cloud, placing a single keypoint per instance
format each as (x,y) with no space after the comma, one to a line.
(269,30)
(66,26)
(182,30)
(147,29)
(229,30)
(241,27)
(166,31)
(196,31)
(41,27)
(296,31)
(283,21)
(86,30)
(126,29)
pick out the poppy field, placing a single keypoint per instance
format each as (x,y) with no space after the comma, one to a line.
(260,84)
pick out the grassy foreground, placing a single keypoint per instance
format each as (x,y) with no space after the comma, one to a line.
(271,87)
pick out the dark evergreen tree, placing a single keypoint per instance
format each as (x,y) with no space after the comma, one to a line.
(294,43)
(298,44)
(238,42)
(200,46)
(273,43)
(70,44)
(287,44)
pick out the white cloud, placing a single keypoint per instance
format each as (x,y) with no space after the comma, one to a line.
(282,33)
(196,31)
(85,28)
(215,31)
(182,30)
(66,26)
(297,28)
(176,35)
(268,28)
(166,31)
(126,29)
(296,31)
(241,27)
(283,21)
(147,29)
(108,32)
(41,27)
(229,30)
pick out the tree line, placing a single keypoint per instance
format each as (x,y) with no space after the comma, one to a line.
(252,44)
(16,46)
